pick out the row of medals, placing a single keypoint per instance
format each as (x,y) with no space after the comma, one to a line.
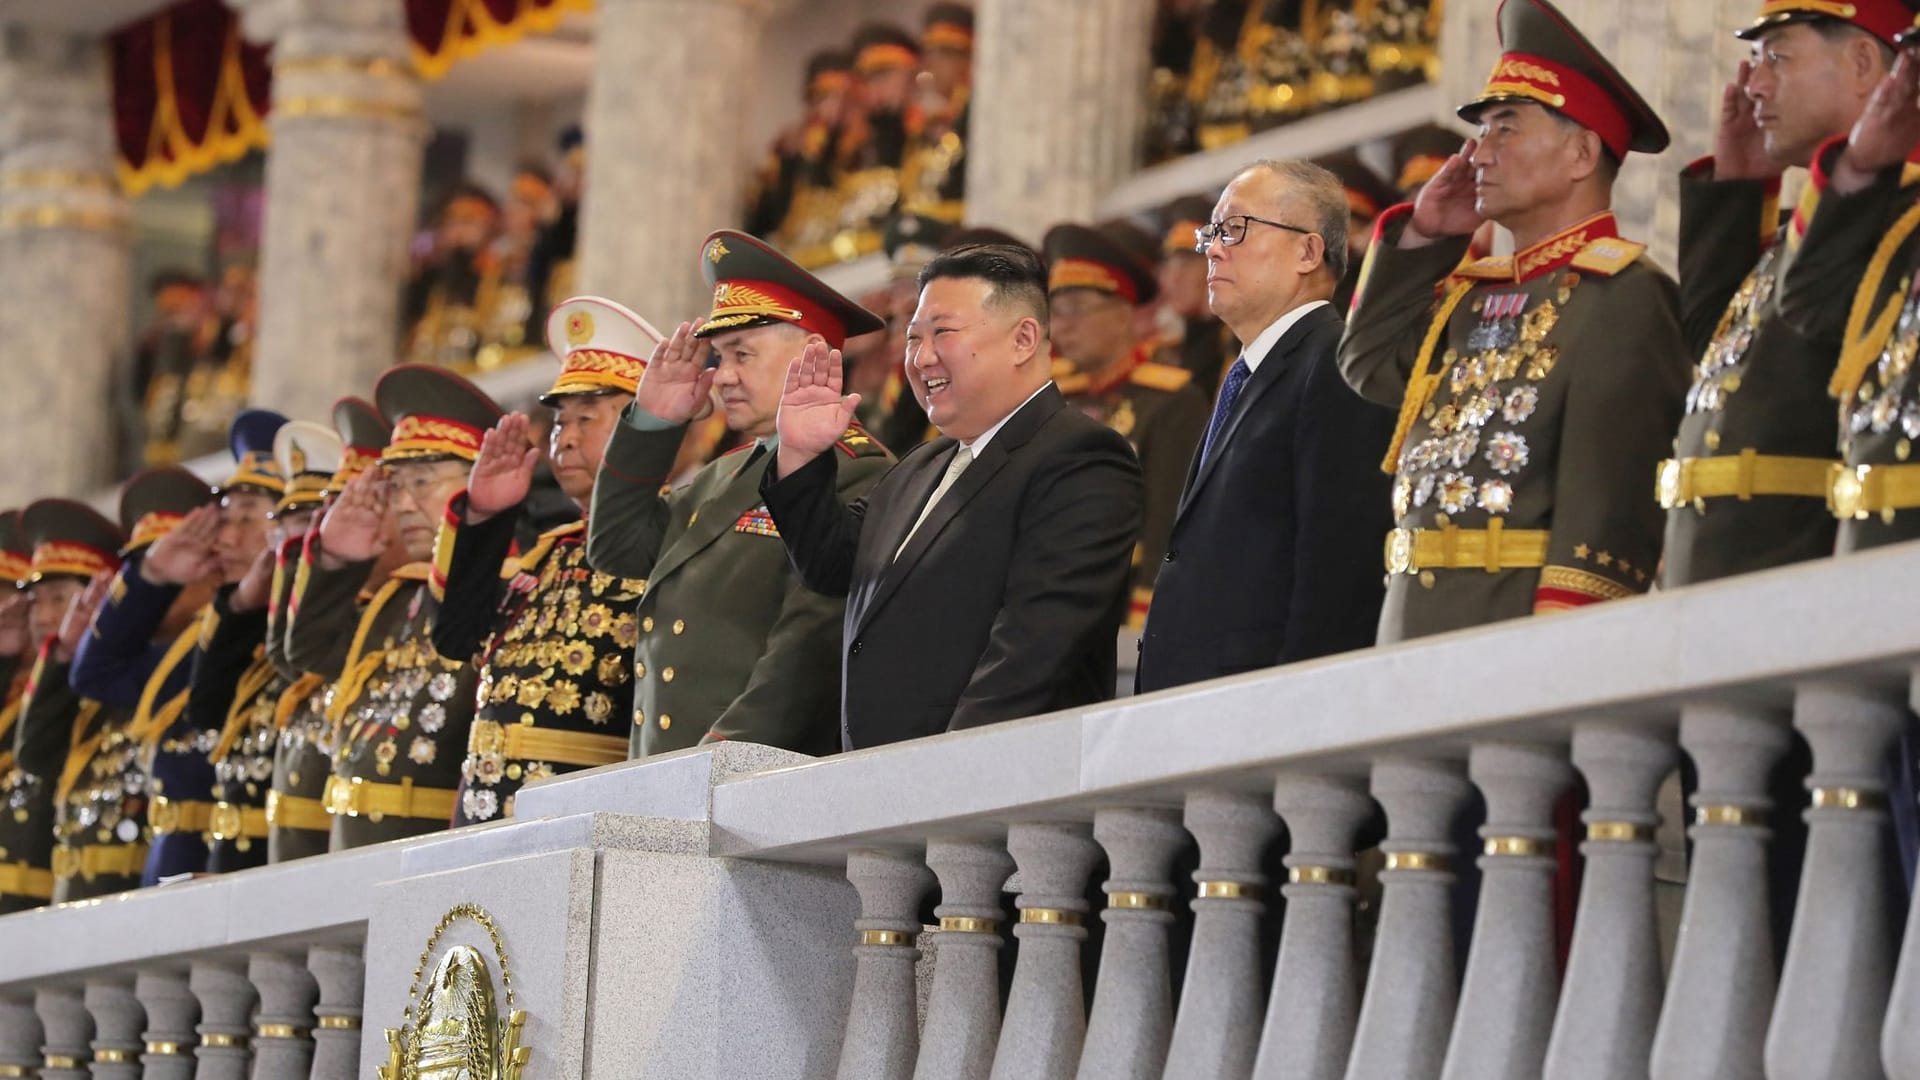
(1508,343)
(1717,375)
(113,804)
(387,702)
(1879,408)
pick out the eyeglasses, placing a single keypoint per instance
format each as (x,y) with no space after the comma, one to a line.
(1234,229)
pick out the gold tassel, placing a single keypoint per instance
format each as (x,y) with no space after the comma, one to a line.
(1862,342)
(1421,385)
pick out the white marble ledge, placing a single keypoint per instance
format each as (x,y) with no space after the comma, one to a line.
(675,786)
(1749,638)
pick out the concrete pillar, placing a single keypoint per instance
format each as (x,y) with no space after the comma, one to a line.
(226,1009)
(118,1020)
(1046,1008)
(172,1013)
(64,265)
(282,1043)
(21,1036)
(963,1007)
(341,974)
(1132,1017)
(69,1034)
(882,1026)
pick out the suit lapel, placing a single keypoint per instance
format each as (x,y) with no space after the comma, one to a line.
(739,493)
(1272,368)
(1018,430)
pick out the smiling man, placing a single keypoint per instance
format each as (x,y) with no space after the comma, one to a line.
(985,575)
(1536,391)
(728,644)
(1746,487)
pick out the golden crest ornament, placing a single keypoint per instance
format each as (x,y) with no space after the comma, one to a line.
(452,1028)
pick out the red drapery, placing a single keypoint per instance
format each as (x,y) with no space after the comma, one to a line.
(189,93)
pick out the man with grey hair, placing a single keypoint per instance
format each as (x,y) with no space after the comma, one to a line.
(1271,555)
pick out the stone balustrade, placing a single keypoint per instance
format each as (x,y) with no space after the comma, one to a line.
(1166,886)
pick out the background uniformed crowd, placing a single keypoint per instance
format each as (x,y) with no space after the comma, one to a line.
(388,621)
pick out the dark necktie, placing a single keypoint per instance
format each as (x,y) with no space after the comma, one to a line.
(1236,380)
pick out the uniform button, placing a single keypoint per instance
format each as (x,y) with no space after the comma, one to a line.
(679,627)
(639,670)
(1169,556)
(854,649)
(646,625)
(666,674)
(639,718)
(665,721)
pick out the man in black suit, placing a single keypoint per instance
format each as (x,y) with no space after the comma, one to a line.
(1275,554)
(986,573)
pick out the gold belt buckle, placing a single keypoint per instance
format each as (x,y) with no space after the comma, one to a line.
(226,822)
(486,738)
(1667,485)
(1847,489)
(343,796)
(165,816)
(273,808)
(1400,543)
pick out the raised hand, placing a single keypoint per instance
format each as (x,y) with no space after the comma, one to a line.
(355,528)
(813,412)
(677,380)
(188,553)
(79,616)
(13,624)
(256,588)
(1739,146)
(1446,206)
(1887,131)
(503,472)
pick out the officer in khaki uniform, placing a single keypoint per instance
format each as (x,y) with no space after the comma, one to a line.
(1537,391)
(1099,276)
(296,815)
(65,545)
(1745,487)
(551,638)
(730,644)
(401,712)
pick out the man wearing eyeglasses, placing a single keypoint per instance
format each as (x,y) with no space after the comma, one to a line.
(1270,555)
(1536,391)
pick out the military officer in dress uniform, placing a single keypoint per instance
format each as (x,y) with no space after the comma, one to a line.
(16,639)
(296,816)
(730,644)
(237,689)
(1098,277)
(1206,345)
(67,544)
(401,711)
(550,638)
(1746,487)
(1418,154)
(933,181)
(1535,391)
(1367,196)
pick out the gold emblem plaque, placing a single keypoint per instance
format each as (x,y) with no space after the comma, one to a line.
(451,1029)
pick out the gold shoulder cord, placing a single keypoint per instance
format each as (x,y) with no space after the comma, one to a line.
(1423,382)
(1862,343)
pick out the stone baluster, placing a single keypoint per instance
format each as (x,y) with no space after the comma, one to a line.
(21,1036)
(882,1023)
(1839,965)
(1505,1016)
(1058,107)
(1132,1017)
(282,1046)
(1411,986)
(172,1011)
(342,196)
(963,1008)
(69,1033)
(340,973)
(1217,1029)
(1315,998)
(226,1010)
(652,191)
(1610,999)
(117,1022)
(1720,988)
(65,260)
(1046,1009)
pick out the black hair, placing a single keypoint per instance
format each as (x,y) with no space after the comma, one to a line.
(1016,272)
(1837,31)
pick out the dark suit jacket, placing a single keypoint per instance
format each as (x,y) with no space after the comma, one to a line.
(1276,548)
(1006,602)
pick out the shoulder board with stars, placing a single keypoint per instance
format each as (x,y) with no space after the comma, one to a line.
(857,443)
(1608,256)
(1157,376)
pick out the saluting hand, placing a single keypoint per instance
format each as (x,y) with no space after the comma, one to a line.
(1739,146)
(677,381)
(503,473)
(13,624)
(813,413)
(79,616)
(186,554)
(1446,206)
(256,588)
(1887,131)
(355,528)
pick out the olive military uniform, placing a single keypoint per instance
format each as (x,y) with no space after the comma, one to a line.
(23,882)
(730,644)
(1535,398)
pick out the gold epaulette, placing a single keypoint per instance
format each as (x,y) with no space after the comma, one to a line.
(1488,267)
(1156,376)
(855,442)
(541,546)
(1608,256)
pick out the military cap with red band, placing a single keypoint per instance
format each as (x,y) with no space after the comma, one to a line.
(70,540)
(754,285)
(1884,19)
(363,437)
(1545,60)
(1111,257)
(436,414)
(153,502)
(16,551)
